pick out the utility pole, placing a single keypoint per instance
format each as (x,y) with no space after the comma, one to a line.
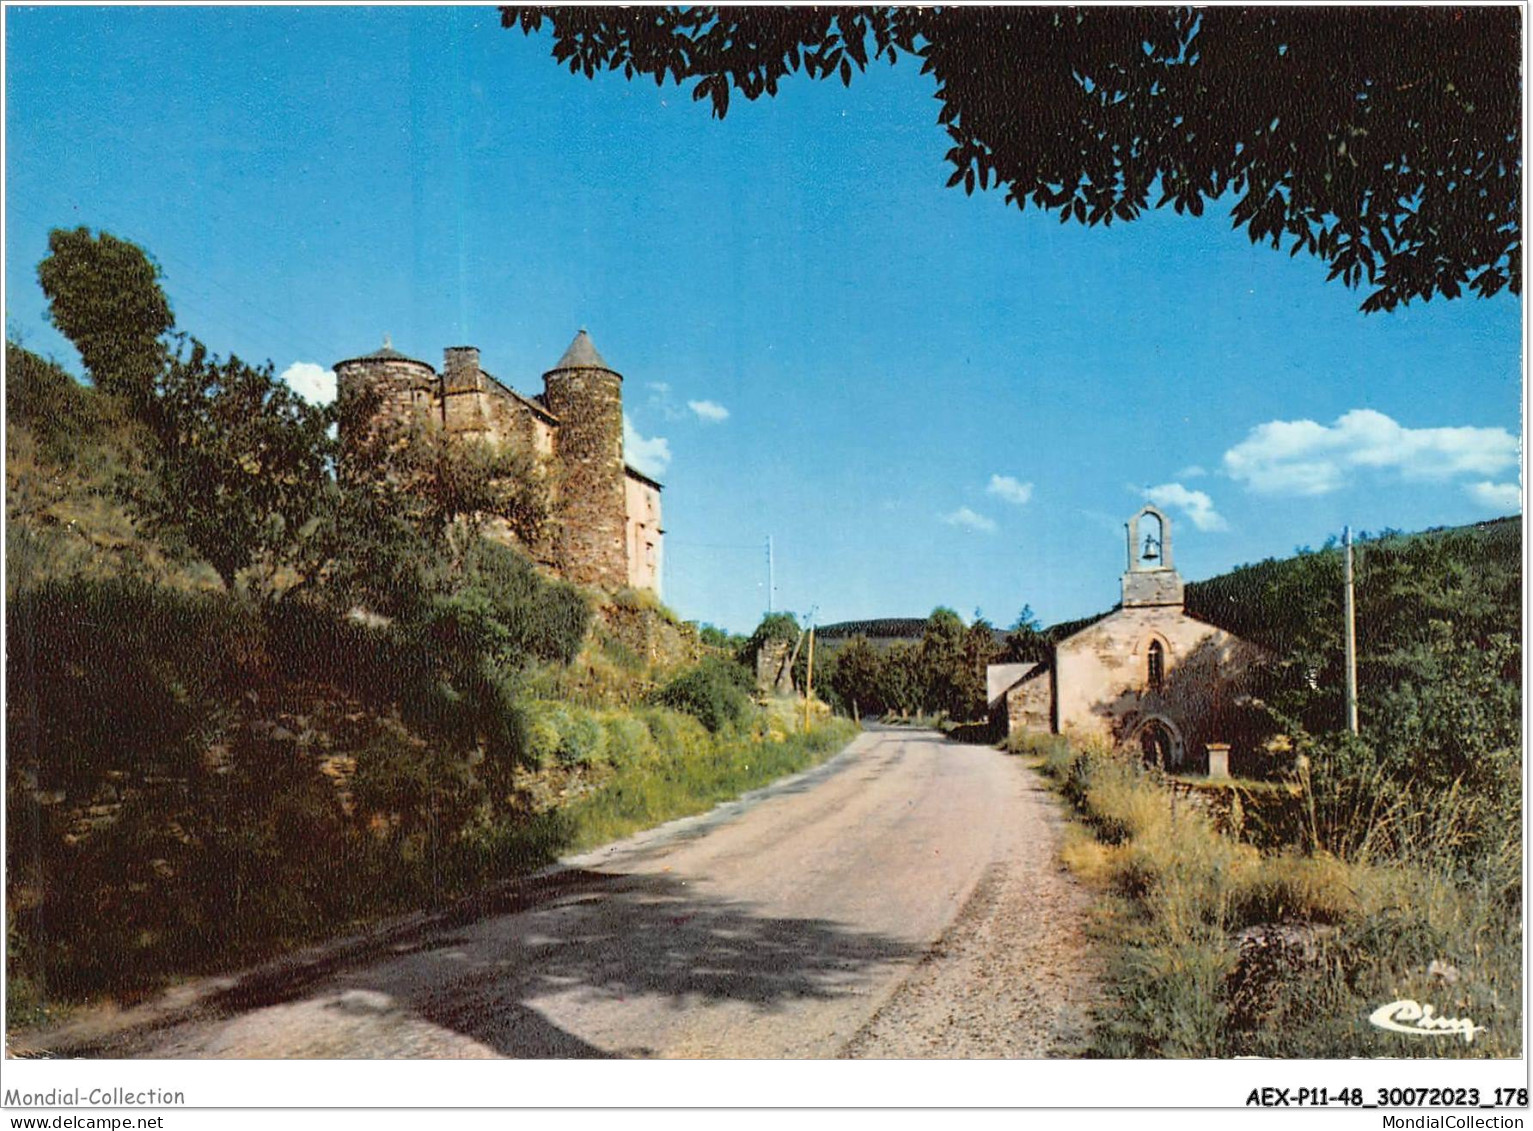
(809,681)
(1349,604)
(770,584)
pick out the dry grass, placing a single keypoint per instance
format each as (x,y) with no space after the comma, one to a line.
(1375,931)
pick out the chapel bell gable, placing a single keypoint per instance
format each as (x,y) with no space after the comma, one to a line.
(1151,578)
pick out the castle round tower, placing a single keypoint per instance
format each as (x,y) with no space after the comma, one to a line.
(384,389)
(586,394)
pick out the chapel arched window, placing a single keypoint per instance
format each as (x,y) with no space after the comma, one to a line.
(1155,664)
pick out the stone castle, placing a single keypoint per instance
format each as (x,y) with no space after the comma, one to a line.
(606,528)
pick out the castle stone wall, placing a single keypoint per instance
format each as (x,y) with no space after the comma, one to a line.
(590,500)
(382,393)
(606,530)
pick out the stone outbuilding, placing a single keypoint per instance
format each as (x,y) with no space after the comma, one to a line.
(1146,675)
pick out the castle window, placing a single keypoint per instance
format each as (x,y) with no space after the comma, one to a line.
(1155,675)
(649,554)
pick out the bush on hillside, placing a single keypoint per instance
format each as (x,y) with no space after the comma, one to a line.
(63,414)
(715,692)
(562,734)
(422,793)
(312,641)
(628,741)
(543,619)
(120,675)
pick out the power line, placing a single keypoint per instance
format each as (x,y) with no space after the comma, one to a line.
(754,548)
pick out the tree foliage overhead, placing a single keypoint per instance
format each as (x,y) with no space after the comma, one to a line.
(1385,141)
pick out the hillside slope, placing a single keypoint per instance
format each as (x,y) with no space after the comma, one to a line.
(1469,575)
(69,454)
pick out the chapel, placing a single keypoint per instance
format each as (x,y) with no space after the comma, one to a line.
(1147,675)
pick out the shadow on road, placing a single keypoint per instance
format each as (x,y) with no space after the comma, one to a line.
(642,937)
(652,941)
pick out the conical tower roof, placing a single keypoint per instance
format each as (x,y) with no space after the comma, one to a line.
(387,353)
(581,355)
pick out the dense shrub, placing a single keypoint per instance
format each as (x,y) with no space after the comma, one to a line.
(63,415)
(309,640)
(535,617)
(629,742)
(540,723)
(421,792)
(584,742)
(119,675)
(715,691)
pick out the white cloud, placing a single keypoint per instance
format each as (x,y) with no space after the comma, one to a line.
(1196,505)
(651,456)
(1010,489)
(314,383)
(963,516)
(1192,471)
(1495,496)
(711,411)
(1301,457)
(659,403)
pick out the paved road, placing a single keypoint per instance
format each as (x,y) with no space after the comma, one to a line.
(904,900)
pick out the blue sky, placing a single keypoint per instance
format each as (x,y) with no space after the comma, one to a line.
(924,398)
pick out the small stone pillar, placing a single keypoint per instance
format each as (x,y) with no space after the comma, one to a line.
(773,675)
(1218,759)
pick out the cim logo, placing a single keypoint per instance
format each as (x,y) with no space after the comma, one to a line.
(1417,1020)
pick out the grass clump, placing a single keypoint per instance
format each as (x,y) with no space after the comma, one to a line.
(1032,744)
(692,771)
(1224,950)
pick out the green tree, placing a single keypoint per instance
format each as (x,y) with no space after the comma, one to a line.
(1026,642)
(980,650)
(712,636)
(900,685)
(858,679)
(942,664)
(104,296)
(773,626)
(238,465)
(439,484)
(1385,141)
